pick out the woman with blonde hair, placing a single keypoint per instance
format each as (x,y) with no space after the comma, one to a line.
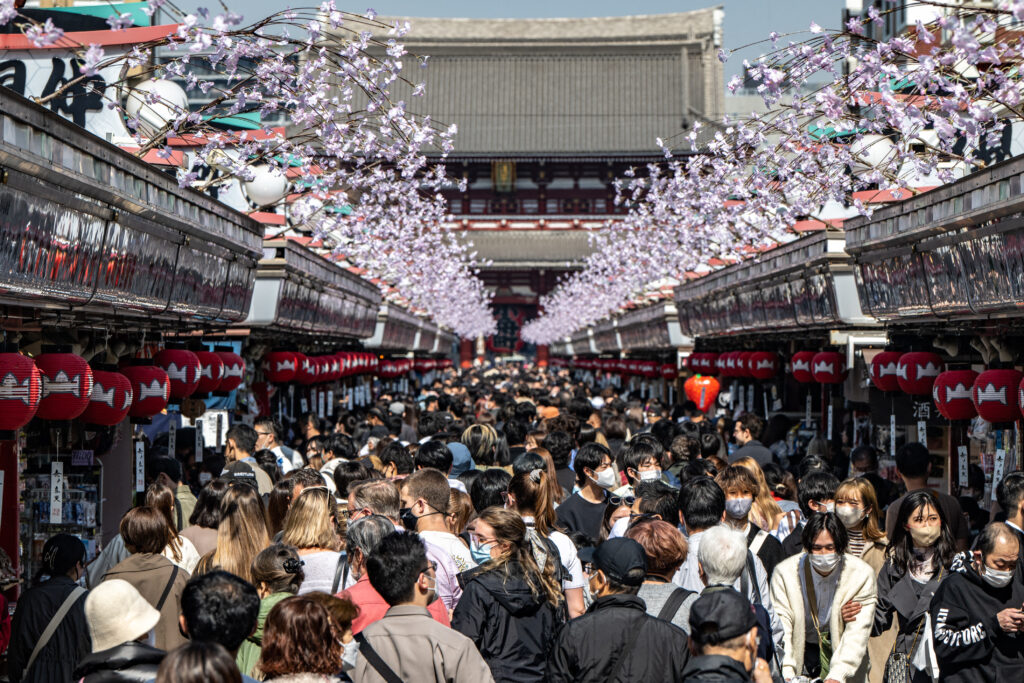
(277,574)
(765,512)
(510,608)
(309,526)
(857,509)
(558,494)
(241,535)
(460,512)
(482,442)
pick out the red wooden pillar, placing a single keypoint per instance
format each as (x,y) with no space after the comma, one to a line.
(9,522)
(466,353)
(542,355)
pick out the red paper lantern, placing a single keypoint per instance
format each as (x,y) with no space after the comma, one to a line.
(703,363)
(234,371)
(151,389)
(20,390)
(183,370)
(111,399)
(66,386)
(304,371)
(952,394)
(801,366)
(995,395)
(743,364)
(669,371)
(280,367)
(828,367)
(762,365)
(335,373)
(211,373)
(916,372)
(702,390)
(883,371)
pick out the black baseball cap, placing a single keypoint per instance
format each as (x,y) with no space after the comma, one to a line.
(720,614)
(616,557)
(241,472)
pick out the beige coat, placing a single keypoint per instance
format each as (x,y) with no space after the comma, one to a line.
(150,575)
(857,582)
(879,647)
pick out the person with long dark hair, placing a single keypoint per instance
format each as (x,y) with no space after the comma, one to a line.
(198,662)
(205,518)
(917,561)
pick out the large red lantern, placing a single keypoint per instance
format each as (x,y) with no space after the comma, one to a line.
(66,386)
(151,389)
(304,371)
(212,372)
(335,373)
(669,371)
(916,372)
(743,364)
(704,363)
(801,366)
(234,370)
(111,399)
(20,390)
(883,371)
(995,395)
(183,370)
(280,367)
(762,365)
(952,393)
(828,367)
(702,390)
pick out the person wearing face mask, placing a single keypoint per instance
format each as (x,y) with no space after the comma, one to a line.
(55,601)
(723,640)
(425,495)
(816,493)
(857,509)
(914,464)
(641,461)
(407,644)
(917,561)
(812,595)
(583,511)
(512,604)
(864,465)
(740,486)
(976,617)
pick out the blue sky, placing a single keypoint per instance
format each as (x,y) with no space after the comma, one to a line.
(746,21)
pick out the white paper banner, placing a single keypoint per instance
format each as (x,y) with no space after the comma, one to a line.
(997,470)
(750,398)
(807,411)
(199,440)
(303,405)
(892,435)
(321,408)
(922,432)
(961,455)
(828,434)
(56,492)
(172,437)
(330,403)
(140,466)
(764,395)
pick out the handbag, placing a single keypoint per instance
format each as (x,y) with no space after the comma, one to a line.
(897,664)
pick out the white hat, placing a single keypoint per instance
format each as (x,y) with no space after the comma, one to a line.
(397,408)
(117,613)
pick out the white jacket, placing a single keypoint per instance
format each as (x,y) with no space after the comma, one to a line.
(857,582)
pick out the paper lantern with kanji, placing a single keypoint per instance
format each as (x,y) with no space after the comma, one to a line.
(183,370)
(304,372)
(66,386)
(702,390)
(951,393)
(111,399)
(280,367)
(151,389)
(762,365)
(916,372)
(743,364)
(20,390)
(800,365)
(828,367)
(234,371)
(335,367)
(669,371)
(995,395)
(883,371)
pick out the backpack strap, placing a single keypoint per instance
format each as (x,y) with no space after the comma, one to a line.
(674,602)
(751,570)
(759,539)
(55,621)
(177,513)
(340,573)
(374,660)
(168,587)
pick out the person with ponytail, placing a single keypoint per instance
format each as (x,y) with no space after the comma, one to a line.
(180,550)
(511,607)
(530,495)
(277,574)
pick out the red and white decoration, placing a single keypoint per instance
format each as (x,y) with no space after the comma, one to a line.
(111,399)
(281,367)
(763,365)
(704,363)
(952,394)
(234,371)
(916,372)
(828,367)
(20,390)
(702,390)
(996,395)
(800,366)
(183,370)
(883,370)
(151,389)
(212,373)
(66,386)
(669,371)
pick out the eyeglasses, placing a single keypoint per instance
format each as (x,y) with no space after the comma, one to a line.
(430,565)
(622,500)
(263,433)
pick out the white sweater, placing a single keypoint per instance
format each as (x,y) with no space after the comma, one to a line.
(857,582)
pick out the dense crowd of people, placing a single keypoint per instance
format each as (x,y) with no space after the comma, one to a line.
(515,525)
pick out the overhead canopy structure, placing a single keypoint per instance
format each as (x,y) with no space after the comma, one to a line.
(806,284)
(91,231)
(956,252)
(652,328)
(298,292)
(396,330)
(606,336)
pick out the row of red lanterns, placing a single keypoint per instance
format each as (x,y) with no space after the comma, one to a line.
(622,366)
(63,386)
(281,367)
(394,368)
(760,365)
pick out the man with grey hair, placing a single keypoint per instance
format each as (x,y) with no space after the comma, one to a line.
(362,539)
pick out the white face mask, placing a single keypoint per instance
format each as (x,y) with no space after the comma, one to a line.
(997,578)
(849,515)
(738,508)
(351,656)
(824,563)
(605,478)
(620,528)
(829,507)
(649,475)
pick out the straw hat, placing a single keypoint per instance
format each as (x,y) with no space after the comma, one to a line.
(117,613)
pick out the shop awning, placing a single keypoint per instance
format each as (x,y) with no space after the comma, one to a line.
(583,342)
(956,252)
(804,285)
(94,232)
(396,330)
(652,328)
(299,291)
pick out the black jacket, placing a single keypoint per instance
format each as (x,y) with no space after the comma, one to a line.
(589,647)
(969,644)
(885,491)
(131,662)
(753,449)
(715,669)
(512,629)
(70,642)
(793,544)
(900,595)
(770,553)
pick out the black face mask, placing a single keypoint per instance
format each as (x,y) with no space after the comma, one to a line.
(408,518)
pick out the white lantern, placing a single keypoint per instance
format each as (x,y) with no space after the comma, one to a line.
(872,151)
(169,102)
(268,186)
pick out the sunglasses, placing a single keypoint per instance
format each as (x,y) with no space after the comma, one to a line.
(622,500)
